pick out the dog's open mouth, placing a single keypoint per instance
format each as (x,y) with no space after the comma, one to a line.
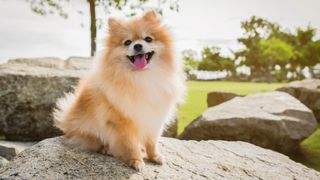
(140,61)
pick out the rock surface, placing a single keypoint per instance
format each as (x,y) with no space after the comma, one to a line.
(9,149)
(55,159)
(3,162)
(215,98)
(28,92)
(7,152)
(306,91)
(272,120)
(29,89)
(72,63)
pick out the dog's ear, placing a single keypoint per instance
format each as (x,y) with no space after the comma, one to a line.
(114,24)
(151,17)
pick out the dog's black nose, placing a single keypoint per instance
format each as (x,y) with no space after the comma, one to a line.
(138,47)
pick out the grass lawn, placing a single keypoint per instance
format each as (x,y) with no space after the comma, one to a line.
(196,103)
(311,150)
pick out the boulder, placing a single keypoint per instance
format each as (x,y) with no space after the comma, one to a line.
(7,152)
(28,92)
(9,149)
(215,98)
(306,91)
(29,89)
(56,159)
(272,120)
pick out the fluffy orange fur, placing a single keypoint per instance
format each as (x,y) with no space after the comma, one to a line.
(119,110)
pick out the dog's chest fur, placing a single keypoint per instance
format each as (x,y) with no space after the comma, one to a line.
(150,101)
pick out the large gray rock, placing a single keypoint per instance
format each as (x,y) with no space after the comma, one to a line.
(308,92)
(29,89)
(215,98)
(55,159)
(272,120)
(28,92)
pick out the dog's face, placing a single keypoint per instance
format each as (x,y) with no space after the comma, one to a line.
(139,44)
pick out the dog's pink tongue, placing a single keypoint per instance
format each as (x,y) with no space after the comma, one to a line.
(140,61)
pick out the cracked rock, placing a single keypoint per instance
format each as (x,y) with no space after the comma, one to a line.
(56,159)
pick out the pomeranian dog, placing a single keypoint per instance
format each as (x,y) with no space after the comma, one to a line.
(122,106)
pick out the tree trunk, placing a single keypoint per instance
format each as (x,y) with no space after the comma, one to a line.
(300,73)
(283,73)
(93,26)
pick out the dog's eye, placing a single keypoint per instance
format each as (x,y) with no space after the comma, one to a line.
(148,39)
(127,42)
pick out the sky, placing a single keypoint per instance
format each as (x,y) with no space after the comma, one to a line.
(197,24)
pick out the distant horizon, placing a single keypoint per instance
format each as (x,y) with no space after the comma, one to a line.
(196,25)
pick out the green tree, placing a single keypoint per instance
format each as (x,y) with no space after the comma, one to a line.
(276,52)
(255,30)
(46,7)
(313,55)
(307,49)
(228,65)
(211,60)
(190,60)
(267,45)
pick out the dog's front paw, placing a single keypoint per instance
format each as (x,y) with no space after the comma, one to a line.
(136,164)
(158,159)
